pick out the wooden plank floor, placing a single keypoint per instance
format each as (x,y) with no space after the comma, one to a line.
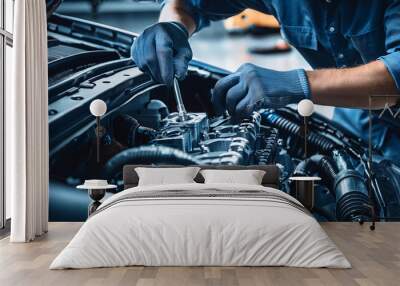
(375,257)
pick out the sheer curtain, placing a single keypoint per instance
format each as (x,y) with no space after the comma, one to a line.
(27,124)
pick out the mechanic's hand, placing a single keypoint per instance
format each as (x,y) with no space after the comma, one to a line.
(251,88)
(163,51)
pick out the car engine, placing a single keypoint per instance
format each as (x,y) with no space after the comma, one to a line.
(267,137)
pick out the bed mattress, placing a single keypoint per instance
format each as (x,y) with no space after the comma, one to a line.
(201,225)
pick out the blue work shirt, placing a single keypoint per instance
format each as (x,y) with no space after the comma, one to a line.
(332,34)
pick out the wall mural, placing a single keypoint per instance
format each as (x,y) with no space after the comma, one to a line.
(146,123)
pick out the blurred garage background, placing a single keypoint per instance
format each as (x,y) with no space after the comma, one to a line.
(213,45)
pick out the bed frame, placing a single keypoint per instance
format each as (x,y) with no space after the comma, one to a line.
(270,179)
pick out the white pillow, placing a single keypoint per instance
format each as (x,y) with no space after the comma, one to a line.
(166,176)
(247,177)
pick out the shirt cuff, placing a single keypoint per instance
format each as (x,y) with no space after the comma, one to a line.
(392,63)
(304,83)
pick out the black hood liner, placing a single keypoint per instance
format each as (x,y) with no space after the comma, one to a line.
(52,5)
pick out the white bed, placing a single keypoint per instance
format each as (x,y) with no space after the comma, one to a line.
(224,225)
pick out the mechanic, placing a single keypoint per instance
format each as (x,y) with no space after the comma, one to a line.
(353,46)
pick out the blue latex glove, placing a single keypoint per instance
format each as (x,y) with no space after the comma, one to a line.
(251,88)
(163,51)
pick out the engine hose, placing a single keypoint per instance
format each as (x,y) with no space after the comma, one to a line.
(147,155)
(352,202)
(291,128)
(129,132)
(318,164)
(351,196)
(346,184)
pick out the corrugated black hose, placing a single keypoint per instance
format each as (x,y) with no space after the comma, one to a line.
(319,142)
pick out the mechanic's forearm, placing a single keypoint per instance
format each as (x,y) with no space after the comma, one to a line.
(351,87)
(175,10)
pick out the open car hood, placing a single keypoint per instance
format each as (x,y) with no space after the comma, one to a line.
(51,6)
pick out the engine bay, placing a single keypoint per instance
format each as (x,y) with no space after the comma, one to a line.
(147,129)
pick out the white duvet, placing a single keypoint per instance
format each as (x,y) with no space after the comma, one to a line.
(188,231)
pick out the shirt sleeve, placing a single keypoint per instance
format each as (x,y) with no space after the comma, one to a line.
(205,11)
(392,42)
